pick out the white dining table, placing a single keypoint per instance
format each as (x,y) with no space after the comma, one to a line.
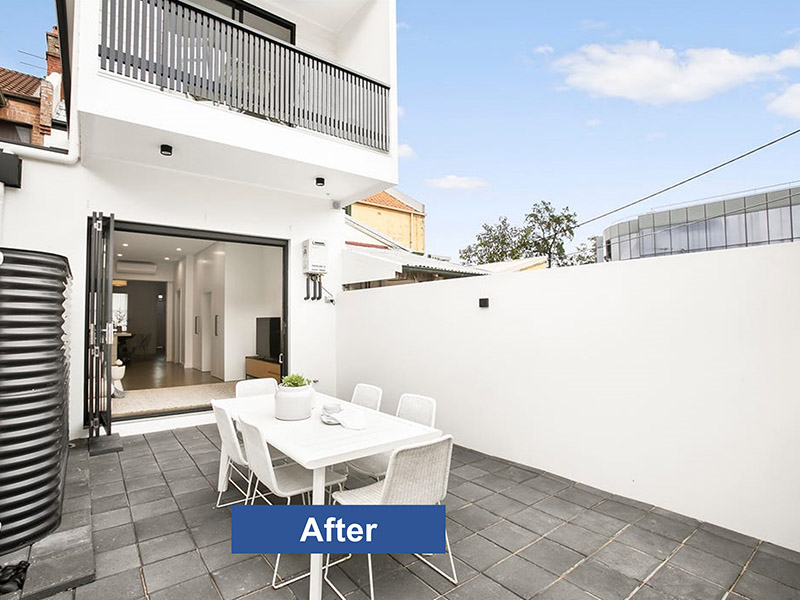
(314,445)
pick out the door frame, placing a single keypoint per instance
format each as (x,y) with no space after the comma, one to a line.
(214,236)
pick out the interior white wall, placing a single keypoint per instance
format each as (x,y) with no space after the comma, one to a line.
(210,278)
(149,195)
(670,380)
(253,288)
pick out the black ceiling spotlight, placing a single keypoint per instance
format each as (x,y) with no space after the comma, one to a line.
(320,182)
(166,150)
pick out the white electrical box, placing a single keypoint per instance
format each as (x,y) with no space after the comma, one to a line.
(315,257)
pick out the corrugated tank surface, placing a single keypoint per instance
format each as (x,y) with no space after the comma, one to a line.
(33,395)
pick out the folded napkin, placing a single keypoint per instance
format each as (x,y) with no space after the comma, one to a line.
(350,419)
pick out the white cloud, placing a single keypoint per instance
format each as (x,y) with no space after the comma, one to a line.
(654,135)
(454,182)
(593,123)
(406,151)
(543,49)
(792,31)
(403,25)
(400,111)
(644,71)
(787,103)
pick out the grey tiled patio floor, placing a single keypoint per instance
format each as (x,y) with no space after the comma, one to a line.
(516,532)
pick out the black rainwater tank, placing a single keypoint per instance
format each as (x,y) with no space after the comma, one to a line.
(33,395)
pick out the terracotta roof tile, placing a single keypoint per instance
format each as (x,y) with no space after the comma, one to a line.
(389,201)
(15,83)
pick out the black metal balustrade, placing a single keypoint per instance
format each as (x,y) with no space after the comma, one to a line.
(186,49)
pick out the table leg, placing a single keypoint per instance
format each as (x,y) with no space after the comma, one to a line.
(315,589)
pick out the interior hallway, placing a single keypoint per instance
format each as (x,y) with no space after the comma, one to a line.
(151,373)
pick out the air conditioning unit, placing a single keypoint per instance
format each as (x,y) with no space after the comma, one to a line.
(137,267)
(315,257)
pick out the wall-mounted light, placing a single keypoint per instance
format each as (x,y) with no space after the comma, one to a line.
(320,182)
(166,150)
(483,303)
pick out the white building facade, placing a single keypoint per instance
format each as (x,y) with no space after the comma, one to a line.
(185,118)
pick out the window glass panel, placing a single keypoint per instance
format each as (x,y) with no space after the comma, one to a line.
(648,243)
(635,246)
(271,28)
(756,223)
(716,232)
(697,236)
(663,245)
(221,8)
(680,239)
(15,132)
(734,230)
(780,223)
(119,314)
(615,249)
(795,220)
(624,247)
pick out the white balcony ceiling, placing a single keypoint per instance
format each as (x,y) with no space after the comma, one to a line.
(112,139)
(330,14)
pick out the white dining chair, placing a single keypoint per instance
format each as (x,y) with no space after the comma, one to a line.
(256,387)
(285,481)
(411,407)
(368,396)
(232,457)
(417,474)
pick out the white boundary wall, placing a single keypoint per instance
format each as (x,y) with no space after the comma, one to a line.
(671,380)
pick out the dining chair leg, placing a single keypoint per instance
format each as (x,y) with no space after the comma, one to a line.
(451,578)
(230,469)
(371,582)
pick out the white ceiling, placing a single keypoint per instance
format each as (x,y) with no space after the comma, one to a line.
(145,247)
(330,14)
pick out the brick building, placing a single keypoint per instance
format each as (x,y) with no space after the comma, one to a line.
(30,106)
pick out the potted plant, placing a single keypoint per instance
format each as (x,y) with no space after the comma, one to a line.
(293,400)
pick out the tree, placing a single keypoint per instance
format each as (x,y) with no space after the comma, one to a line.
(584,254)
(544,233)
(547,231)
(496,243)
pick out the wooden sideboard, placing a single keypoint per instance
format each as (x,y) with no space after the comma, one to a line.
(255,367)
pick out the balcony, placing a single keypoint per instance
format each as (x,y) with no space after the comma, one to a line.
(178,47)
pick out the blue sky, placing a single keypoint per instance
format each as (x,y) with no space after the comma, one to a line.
(22,27)
(589,105)
(584,104)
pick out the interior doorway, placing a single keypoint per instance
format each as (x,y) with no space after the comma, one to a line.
(186,305)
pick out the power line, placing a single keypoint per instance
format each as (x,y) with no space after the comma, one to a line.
(688,179)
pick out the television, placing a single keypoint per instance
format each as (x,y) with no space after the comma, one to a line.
(268,338)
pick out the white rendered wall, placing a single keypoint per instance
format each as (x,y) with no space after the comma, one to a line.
(670,380)
(38,218)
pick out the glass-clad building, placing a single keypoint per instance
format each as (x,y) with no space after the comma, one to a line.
(767,218)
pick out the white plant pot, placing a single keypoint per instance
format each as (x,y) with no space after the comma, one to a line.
(293,403)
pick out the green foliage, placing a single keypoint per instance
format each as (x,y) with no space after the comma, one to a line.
(585,254)
(295,381)
(544,233)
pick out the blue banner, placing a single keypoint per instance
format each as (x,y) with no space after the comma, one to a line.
(323,529)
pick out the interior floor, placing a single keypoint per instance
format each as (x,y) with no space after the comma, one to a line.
(156,372)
